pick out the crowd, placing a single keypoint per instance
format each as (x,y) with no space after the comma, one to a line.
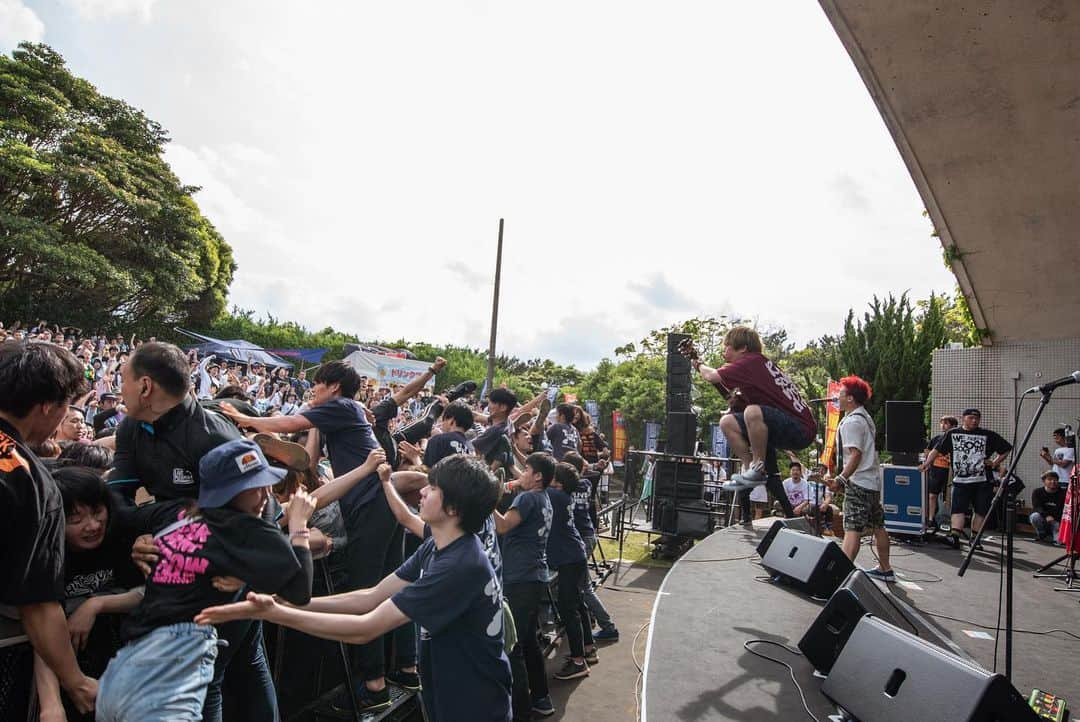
(163,505)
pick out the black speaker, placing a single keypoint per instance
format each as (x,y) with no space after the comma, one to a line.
(885,674)
(677,480)
(681,433)
(694,520)
(904,430)
(815,565)
(679,377)
(856,597)
(798,523)
(664,516)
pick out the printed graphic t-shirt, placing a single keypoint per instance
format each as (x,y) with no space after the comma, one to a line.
(525,546)
(762,382)
(970,450)
(456,599)
(217,542)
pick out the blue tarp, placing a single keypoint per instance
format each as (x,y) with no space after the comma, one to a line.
(307,355)
(242,351)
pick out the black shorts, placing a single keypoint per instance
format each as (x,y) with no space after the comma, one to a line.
(937,478)
(977,495)
(785,432)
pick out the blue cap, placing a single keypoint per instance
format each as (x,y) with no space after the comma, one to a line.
(231,468)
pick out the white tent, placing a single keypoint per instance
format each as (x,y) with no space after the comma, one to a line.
(387,370)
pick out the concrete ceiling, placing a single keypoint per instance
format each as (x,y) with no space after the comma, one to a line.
(983,101)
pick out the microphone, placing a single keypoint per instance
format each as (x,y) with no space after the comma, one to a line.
(827,399)
(1072,378)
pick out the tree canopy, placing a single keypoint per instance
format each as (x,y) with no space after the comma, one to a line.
(96,228)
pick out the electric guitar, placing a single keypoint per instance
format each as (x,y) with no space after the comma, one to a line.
(736,400)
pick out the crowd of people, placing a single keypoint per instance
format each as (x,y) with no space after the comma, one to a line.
(153,537)
(159,513)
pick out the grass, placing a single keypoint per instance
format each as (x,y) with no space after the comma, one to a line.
(637,551)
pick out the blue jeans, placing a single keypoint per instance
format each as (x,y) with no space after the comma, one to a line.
(159,677)
(596,607)
(1045,529)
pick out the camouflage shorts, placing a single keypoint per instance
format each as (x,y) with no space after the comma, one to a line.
(862,509)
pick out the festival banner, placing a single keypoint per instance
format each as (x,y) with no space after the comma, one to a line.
(618,425)
(593,408)
(832,421)
(652,435)
(719,441)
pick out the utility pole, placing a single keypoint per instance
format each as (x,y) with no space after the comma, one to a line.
(494,314)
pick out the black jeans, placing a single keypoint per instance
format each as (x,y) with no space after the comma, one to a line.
(575,618)
(247,689)
(524,600)
(369,551)
(404,637)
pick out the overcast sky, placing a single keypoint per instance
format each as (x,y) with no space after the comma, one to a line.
(653,161)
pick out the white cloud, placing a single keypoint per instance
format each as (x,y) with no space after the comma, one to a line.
(104,9)
(18,23)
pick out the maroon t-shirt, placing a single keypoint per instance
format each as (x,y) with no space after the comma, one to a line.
(763,383)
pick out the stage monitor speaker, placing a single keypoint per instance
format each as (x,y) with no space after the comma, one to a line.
(815,565)
(885,674)
(904,430)
(681,433)
(798,523)
(856,597)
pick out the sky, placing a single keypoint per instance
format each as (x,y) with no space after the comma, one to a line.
(652,161)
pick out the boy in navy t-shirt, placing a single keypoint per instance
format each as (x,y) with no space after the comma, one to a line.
(524,529)
(447,587)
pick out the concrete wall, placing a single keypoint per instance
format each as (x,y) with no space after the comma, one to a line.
(993,378)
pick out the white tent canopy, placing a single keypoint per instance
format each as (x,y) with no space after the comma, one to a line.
(388,370)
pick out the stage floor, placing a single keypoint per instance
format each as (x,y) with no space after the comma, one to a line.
(717,596)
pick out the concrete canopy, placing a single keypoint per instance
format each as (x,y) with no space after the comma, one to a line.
(983,101)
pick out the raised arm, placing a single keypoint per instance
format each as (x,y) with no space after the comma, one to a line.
(412,388)
(339,486)
(269,425)
(412,522)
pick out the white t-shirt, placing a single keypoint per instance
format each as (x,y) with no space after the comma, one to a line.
(857,430)
(797,492)
(1064,453)
(759,493)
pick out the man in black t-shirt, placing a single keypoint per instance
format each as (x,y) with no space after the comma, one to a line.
(937,478)
(37,383)
(1047,503)
(166,432)
(456,420)
(563,436)
(975,452)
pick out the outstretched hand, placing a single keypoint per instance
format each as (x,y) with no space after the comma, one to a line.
(257,606)
(409,451)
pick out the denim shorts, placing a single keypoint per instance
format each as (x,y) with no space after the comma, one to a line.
(159,677)
(785,432)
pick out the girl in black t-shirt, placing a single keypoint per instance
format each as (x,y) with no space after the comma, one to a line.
(168,662)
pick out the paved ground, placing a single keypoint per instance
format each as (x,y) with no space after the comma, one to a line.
(610,692)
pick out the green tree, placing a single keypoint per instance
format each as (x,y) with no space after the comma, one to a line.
(96,229)
(891,347)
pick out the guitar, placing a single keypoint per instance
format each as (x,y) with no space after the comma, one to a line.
(736,400)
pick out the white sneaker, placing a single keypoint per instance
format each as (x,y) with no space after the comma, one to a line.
(755,475)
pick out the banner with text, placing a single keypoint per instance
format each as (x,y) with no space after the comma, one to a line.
(652,435)
(719,441)
(618,444)
(832,422)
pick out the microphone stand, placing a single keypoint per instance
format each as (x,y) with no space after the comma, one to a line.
(1010,514)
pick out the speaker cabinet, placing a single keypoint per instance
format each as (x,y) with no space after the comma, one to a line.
(677,480)
(904,430)
(856,597)
(885,674)
(815,565)
(798,523)
(681,433)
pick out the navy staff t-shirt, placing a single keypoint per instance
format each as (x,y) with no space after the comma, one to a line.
(564,438)
(446,444)
(525,546)
(455,598)
(349,440)
(564,543)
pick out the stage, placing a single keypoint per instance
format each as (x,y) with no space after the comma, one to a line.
(717,596)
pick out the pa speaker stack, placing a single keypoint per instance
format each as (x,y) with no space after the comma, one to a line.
(905,433)
(681,420)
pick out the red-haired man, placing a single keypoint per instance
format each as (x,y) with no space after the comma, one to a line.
(860,474)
